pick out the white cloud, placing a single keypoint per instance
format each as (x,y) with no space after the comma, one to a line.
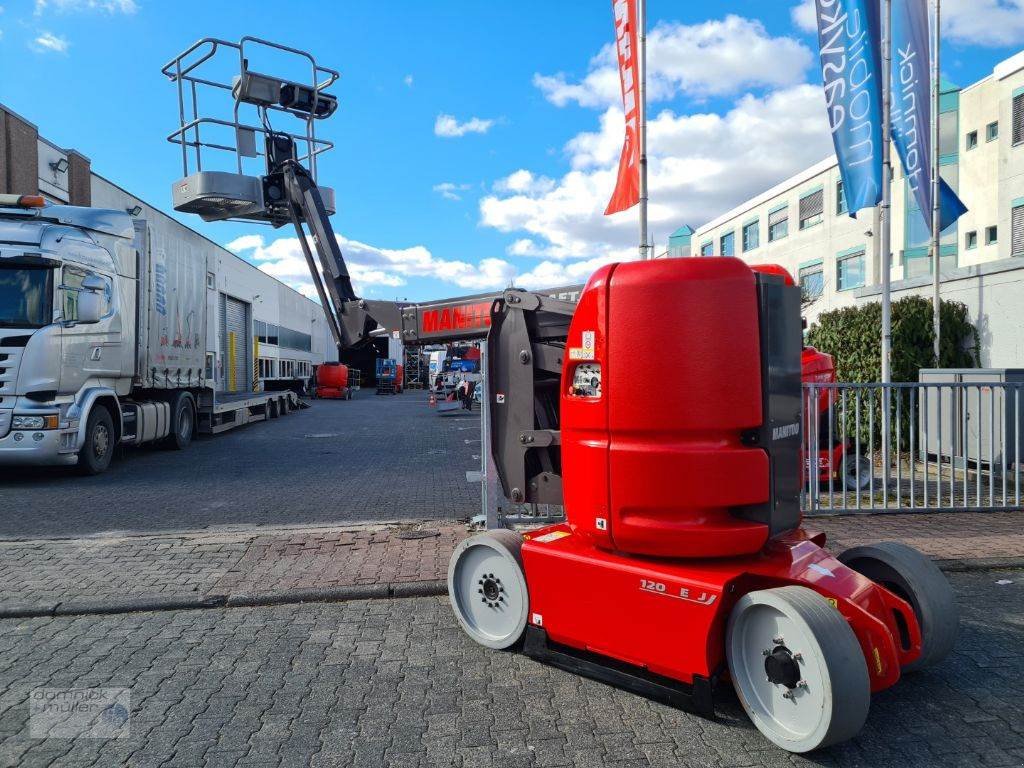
(993,23)
(47,42)
(716,57)
(70,6)
(407,80)
(450,191)
(371,266)
(805,16)
(700,165)
(525,182)
(448,127)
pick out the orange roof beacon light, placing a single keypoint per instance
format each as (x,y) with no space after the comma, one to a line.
(22,201)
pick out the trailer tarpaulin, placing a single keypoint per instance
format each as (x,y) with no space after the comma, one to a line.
(851,69)
(911,110)
(627,185)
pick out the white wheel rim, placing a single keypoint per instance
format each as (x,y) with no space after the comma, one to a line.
(791,717)
(488,592)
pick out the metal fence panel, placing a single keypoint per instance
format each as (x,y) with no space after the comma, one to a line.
(922,446)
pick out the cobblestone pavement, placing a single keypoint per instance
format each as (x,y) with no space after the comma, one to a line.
(369,459)
(260,561)
(396,683)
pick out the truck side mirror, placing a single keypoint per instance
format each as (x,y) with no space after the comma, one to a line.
(91,300)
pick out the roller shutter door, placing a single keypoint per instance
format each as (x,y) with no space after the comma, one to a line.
(234,344)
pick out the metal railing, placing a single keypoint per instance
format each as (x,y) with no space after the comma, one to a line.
(949,446)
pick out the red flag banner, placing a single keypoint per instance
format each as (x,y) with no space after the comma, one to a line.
(627,186)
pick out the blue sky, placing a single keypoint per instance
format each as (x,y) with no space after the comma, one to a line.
(476,141)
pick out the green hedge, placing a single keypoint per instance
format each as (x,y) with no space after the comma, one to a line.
(853,337)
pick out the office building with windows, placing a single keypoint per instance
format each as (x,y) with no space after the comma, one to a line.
(804,225)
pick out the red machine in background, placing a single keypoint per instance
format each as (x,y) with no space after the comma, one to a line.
(332,382)
(837,464)
(682,561)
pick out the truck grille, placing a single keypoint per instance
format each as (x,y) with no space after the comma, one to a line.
(9,359)
(5,422)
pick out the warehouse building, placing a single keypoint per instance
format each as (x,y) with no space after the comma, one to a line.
(284,334)
(803,223)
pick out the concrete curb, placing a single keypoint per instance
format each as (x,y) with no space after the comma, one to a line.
(146,603)
(339,594)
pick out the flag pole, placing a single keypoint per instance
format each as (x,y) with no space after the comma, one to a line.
(936,208)
(641,14)
(886,212)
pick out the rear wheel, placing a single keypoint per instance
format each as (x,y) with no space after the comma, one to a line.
(183,422)
(797,668)
(98,448)
(913,577)
(487,588)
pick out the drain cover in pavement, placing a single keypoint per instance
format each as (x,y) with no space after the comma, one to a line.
(417,534)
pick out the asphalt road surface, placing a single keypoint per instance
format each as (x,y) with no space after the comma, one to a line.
(369,459)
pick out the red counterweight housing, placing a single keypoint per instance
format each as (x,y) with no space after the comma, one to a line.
(332,381)
(680,409)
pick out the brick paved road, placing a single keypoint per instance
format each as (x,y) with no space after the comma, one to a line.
(372,458)
(396,683)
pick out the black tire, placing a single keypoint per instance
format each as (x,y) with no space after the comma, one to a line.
(913,577)
(183,422)
(100,439)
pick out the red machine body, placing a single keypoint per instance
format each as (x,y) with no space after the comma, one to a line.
(399,378)
(819,368)
(332,381)
(674,501)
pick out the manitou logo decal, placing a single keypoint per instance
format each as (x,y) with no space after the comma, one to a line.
(456,318)
(689,594)
(789,430)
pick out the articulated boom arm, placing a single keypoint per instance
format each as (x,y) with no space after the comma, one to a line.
(525,333)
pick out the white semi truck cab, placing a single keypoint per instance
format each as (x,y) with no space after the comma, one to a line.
(101,343)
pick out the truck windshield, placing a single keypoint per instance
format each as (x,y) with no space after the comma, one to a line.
(26,295)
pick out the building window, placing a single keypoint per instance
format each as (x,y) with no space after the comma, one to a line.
(707,249)
(812,208)
(850,271)
(1017,231)
(992,131)
(727,244)
(972,140)
(211,280)
(949,133)
(840,199)
(971,240)
(778,224)
(751,235)
(812,281)
(1018,119)
(991,235)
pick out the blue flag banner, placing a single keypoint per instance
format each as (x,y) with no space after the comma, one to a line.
(911,109)
(849,34)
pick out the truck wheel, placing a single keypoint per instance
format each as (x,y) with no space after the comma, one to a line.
(915,578)
(797,667)
(183,422)
(98,448)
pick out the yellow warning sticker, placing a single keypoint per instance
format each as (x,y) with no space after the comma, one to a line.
(878,660)
(580,353)
(547,538)
(833,602)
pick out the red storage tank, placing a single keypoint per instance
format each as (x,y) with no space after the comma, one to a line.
(332,381)
(652,464)
(399,378)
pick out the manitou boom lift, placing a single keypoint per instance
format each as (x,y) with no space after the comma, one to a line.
(682,562)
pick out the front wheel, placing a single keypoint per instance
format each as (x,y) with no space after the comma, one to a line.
(487,588)
(98,448)
(912,577)
(797,668)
